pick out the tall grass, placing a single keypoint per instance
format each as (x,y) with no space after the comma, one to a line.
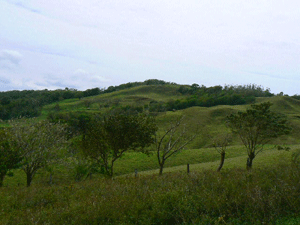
(233,196)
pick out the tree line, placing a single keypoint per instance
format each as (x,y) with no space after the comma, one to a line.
(218,95)
(195,95)
(29,103)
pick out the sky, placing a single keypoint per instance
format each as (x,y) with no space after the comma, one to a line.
(85,44)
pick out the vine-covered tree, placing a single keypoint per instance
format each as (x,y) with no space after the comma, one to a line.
(256,127)
(107,139)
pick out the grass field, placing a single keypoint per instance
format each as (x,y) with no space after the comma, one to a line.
(198,159)
(268,195)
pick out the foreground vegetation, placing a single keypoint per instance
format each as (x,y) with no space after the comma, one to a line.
(268,195)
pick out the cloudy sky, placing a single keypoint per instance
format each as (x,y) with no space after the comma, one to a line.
(97,43)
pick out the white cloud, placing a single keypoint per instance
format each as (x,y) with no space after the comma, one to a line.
(4,80)
(80,72)
(9,58)
(130,40)
(83,77)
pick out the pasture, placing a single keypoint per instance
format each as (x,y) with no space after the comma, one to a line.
(268,194)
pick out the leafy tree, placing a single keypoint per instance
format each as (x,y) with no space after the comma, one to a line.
(9,157)
(155,82)
(172,141)
(39,144)
(256,127)
(91,92)
(107,139)
(5,100)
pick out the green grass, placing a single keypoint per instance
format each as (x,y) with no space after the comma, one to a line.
(134,96)
(267,195)
(208,158)
(210,122)
(203,197)
(199,159)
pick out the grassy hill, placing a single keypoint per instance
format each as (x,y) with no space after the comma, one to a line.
(143,96)
(154,97)
(210,120)
(268,195)
(136,96)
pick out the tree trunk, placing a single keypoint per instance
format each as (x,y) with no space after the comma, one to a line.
(2,175)
(111,170)
(161,167)
(50,179)
(250,160)
(222,161)
(29,178)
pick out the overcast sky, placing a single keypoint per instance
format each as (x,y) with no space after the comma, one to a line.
(84,44)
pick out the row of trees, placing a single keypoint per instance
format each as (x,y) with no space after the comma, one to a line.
(203,96)
(218,95)
(102,140)
(247,90)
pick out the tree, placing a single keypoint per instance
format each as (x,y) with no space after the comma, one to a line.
(172,141)
(9,157)
(256,127)
(39,144)
(108,138)
(220,143)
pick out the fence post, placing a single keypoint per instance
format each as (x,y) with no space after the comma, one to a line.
(188,168)
(50,179)
(135,172)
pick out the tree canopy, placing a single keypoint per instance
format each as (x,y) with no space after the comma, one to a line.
(38,143)
(10,158)
(256,127)
(108,138)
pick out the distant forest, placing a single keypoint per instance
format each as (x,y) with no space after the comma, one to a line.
(29,103)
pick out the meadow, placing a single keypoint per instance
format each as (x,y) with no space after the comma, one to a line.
(268,194)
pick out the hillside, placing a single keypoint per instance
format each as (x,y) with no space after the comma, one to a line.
(153,98)
(67,190)
(29,103)
(161,98)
